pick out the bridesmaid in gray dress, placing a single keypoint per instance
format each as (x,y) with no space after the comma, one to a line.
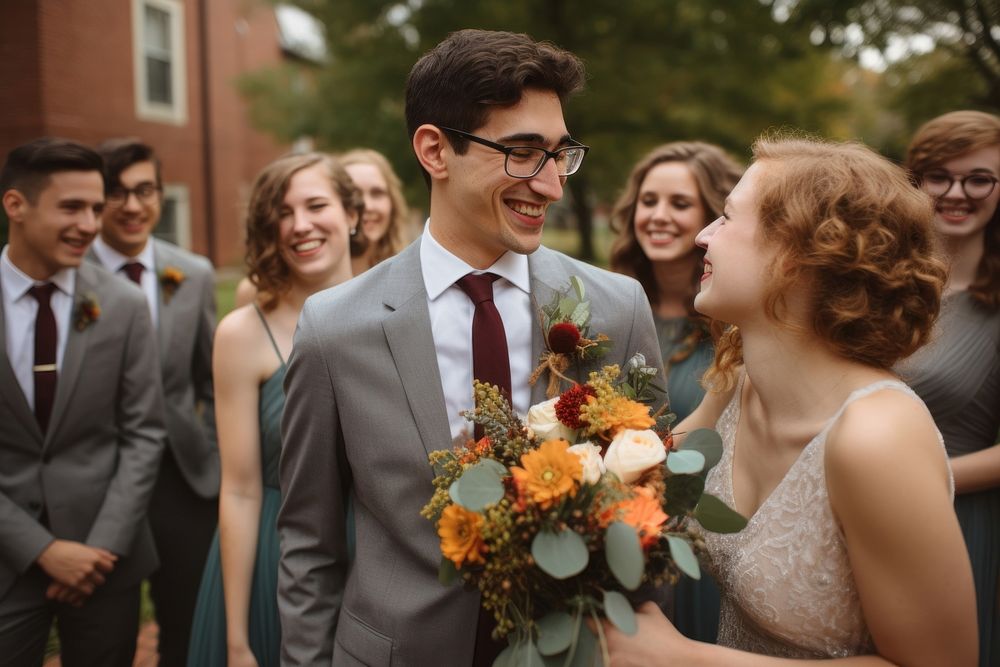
(955,158)
(303,215)
(673,193)
(823,265)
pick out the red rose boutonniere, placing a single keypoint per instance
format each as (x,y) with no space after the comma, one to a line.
(87,312)
(566,324)
(170,281)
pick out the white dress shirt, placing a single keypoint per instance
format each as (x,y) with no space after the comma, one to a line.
(114,261)
(20,310)
(451,313)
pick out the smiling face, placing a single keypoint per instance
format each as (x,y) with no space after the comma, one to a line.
(314,228)
(956,217)
(378,204)
(126,226)
(54,232)
(481,211)
(736,265)
(668,212)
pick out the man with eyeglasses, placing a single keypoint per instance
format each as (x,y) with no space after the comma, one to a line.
(180,292)
(383,365)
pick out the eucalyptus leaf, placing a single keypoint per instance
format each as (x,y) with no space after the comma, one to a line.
(560,555)
(566,308)
(555,632)
(447,572)
(620,612)
(685,462)
(684,557)
(716,516)
(478,487)
(706,441)
(624,554)
(453,493)
(585,652)
(580,315)
(520,654)
(577,287)
(494,465)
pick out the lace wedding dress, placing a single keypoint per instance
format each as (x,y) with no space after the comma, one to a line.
(786,581)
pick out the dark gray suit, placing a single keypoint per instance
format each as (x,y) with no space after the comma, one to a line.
(364,408)
(183,511)
(91,474)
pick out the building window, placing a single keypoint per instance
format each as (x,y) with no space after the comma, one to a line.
(175,219)
(160,81)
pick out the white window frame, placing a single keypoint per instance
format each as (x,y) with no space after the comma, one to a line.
(181,196)
(175,113)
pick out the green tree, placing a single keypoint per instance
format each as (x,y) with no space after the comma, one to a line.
(720,71)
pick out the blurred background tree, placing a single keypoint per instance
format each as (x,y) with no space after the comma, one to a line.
(658,70)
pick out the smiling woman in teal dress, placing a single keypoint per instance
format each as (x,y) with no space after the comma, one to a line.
(303,211)
(673,193)
(955,158)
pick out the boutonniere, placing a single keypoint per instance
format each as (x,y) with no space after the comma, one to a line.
(565,324)
(88,311)
(170,281)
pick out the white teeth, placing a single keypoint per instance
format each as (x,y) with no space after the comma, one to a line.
(954,211)
(306,246)
(527,209)
(661,236)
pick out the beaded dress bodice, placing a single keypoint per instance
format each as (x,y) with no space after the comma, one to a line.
(786,580)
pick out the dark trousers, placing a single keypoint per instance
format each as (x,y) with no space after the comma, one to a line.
(101,633)
(183,525)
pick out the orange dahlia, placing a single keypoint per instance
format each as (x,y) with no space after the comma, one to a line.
(461,540)
(644,513)
(548,473)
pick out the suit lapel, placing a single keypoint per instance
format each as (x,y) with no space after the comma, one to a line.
(165,313)
(408,332)
(76,348)
(10,388)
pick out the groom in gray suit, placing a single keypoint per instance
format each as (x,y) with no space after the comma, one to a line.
(383,365)
(180,292)
(81,420)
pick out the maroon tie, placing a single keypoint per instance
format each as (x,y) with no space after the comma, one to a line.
(134,272)
(490,363)
(45,354)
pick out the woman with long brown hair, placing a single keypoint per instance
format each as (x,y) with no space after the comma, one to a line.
(386,214)
(303,211)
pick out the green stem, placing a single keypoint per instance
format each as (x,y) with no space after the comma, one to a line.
(602,640)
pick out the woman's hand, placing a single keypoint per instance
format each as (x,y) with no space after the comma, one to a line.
(240,656)
(656,642)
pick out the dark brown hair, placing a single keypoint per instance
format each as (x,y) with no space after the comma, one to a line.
(945,138)
(715,173)
(120,154)
(456,83)
(849,224)
(266,267)
(28,167)
(392,241)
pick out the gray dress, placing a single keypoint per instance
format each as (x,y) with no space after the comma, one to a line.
(958,377)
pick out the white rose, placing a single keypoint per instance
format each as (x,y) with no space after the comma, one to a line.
(546,426)
(631,453)
(590,457)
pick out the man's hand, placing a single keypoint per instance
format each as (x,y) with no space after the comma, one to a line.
(63,593)
(76,565)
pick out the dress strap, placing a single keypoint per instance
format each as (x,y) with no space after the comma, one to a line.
(274,343)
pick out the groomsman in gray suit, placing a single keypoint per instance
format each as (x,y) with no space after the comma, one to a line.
(383,365)
(81,420)
(180,292)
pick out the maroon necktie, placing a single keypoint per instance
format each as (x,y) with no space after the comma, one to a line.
(490,363)
(45,354)
(134,272)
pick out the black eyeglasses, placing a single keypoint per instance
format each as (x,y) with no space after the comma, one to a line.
(144,192)
(527,161)
(975,186)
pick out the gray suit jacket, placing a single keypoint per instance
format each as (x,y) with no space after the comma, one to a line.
(364,408)
(184,334)
(93,470)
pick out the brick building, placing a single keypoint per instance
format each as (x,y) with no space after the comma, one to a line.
(161,70)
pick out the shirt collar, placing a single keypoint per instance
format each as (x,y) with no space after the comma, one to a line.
(17,283)
(113,260)
(441,268)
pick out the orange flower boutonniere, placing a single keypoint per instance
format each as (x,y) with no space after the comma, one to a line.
(87,312)
(170,281)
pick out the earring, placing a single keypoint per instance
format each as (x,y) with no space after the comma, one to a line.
(354,230)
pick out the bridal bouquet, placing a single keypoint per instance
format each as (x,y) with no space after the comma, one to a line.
(556,520)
